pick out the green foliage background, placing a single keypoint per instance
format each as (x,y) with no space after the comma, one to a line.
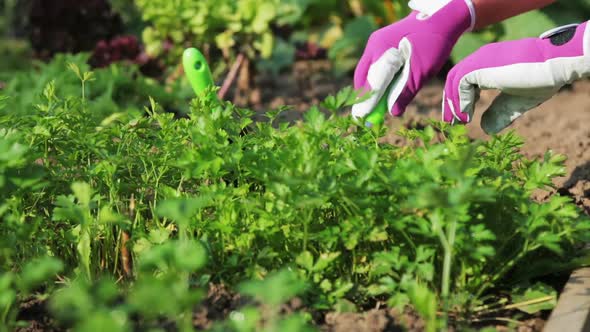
(341,26)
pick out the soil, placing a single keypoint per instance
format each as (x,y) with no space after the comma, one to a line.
(35,313)
(376,320)
(219,303)
(391,320)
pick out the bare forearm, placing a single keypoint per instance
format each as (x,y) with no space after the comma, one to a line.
(494,11)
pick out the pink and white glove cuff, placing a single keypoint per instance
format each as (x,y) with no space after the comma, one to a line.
(430,7)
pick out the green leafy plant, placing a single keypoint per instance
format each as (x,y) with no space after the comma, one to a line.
(245,24)
(117,87)
(167,205)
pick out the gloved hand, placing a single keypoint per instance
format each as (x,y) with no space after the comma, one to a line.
(420,44)
(527,72)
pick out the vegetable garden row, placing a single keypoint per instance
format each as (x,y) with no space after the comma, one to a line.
(125,205)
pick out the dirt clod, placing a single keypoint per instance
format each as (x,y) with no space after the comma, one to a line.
(219,303)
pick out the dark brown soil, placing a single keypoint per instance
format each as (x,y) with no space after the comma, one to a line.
(376,320)
(220,302)
(390,320)
(309,83)
(34,312)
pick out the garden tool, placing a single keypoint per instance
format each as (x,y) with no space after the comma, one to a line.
(376,118)
(197,70)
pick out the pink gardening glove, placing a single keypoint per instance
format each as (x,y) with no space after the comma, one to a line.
(420,44)
(527,72)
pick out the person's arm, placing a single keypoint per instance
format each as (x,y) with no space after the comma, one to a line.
(493,11)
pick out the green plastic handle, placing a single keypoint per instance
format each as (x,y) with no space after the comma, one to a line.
(197,70)
(376,118)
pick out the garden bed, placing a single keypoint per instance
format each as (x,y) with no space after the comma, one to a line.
(236,173)
(126,206)
(221,302)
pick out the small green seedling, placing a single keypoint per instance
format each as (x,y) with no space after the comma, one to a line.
(197,70)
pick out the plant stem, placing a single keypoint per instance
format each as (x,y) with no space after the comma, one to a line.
(231,76)
(4,318)
(530,302)
(447,239)
(306,230)
(510,264)
(448,260)
(497,319)
(488,307)
(495,308)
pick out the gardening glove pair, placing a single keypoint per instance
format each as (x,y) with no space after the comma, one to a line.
(411,50)
(527,72)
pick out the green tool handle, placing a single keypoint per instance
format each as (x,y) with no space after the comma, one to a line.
(376,118)
(197,71)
